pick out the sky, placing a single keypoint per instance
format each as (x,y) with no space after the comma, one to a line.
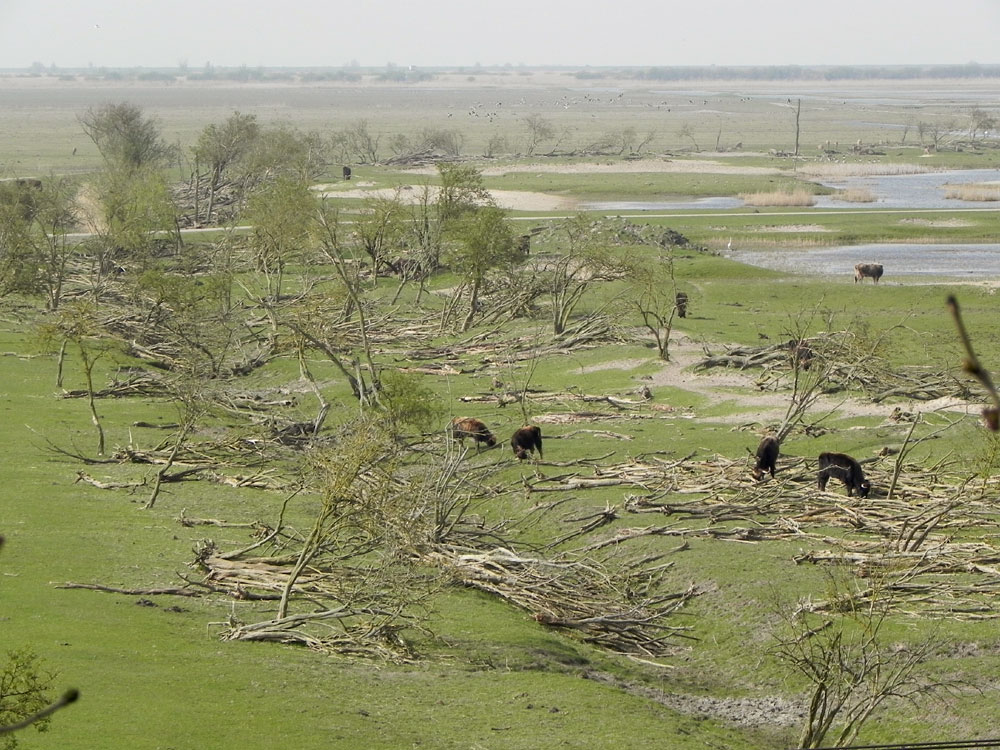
(332,33)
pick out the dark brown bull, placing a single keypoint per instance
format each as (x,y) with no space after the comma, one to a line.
(767,458)
(872,271)
(846,469)
(681,303)
(468,427)
(802,354)
(526,440)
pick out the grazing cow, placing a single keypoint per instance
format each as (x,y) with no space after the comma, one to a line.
(767,457)
(526,440)
(802,354)
(467,427)
(523,245)
(872,271)
(846,469)
(681,303)
(346,172)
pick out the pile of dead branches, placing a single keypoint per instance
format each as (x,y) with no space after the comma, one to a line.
(576,594)
(842,364)
(932,543)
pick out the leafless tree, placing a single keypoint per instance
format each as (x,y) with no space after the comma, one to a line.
(851,667)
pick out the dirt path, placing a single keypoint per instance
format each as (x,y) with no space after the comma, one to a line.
(751,404)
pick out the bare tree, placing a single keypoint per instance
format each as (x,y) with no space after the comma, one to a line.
(937,131)
(850,666)
(686,131)
(584,257)
(980,121)
(358,143)
(654,295)
(540,129)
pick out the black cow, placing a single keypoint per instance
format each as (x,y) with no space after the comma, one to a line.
(802,354)
(846,469)
(681,303)
(526,440)
(872,271)
(468,427)
(767,457)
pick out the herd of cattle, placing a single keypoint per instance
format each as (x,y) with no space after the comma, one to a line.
(526,440)
(831,466)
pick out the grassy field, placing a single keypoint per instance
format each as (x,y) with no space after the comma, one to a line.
(152,670)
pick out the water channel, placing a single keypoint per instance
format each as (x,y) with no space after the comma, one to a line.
(916,191)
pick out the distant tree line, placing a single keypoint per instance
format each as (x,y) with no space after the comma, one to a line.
(795,72)
(392,73)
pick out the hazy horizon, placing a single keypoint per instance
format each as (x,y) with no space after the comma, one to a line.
(540,33)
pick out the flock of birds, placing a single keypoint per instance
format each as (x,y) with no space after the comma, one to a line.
(492,111)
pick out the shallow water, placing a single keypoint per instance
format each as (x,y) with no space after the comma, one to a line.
(913,190)
(890,191)
(899,260)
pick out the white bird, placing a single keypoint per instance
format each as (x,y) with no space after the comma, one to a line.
(730,245)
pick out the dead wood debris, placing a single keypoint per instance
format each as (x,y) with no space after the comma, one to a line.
(165,591)
(572,594)
(905,545)
(844,365)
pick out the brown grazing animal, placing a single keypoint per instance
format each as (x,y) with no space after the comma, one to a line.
(767,458)
(802,354)
(681,303)
(846,469)
(872,271)
(467,427)
(526,440)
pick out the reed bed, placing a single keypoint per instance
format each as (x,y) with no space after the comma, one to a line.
(982,191)
(861,169)
(855,195)
(779,198)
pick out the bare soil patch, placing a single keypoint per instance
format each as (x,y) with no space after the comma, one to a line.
(792,228)
(514,200)
(740,388)
(637,166)
(937,222)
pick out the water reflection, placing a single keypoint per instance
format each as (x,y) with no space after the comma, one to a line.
(902,259)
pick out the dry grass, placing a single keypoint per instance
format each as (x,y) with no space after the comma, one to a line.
(983,191)
(779,198)
(855,195)
(858,169)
